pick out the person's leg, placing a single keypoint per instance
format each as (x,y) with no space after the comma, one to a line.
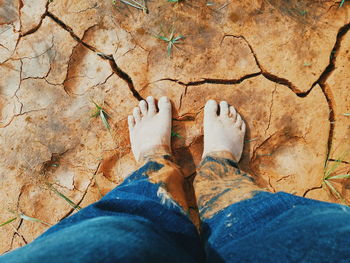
(242,223)
(219,182)
(142,220)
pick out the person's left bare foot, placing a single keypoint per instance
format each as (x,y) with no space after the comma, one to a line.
(150,128)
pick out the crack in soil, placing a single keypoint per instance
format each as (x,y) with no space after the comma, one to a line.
(123,75)
(254,155)
(16,232)
(70,59)
(115,68)
(20,83)
(16,229)
(266,74)
(330,101)
(325,89)
(120,73)
(283,177)
(338,161)
(320,81)
(311,189)
(271,105)
(34,29)
(95,6)
(213,81)
(273,188)
(4,47)
(84,194)
(50,60)
(94,86)
(20,114)
(189,116)
(70,31)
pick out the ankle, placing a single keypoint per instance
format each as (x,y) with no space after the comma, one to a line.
(155,152)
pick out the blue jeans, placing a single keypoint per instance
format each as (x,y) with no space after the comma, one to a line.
(146,219)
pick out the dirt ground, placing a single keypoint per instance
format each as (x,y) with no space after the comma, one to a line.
(284,64)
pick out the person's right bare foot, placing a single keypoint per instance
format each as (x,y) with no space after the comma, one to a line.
(149,127)
(223,132)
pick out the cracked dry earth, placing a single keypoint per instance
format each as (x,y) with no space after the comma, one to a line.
(285,65)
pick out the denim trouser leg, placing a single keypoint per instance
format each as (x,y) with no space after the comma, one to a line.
(146,220)
(243,224)
(142,220)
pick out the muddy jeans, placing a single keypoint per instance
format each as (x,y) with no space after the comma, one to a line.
(146,219)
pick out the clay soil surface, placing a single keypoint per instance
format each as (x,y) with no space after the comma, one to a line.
(285,66)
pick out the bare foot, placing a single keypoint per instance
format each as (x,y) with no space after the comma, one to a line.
(223,132)
(149,128)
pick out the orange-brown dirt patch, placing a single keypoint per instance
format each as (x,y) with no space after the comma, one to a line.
(285,65)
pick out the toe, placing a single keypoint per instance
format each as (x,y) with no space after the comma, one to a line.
(151,105)
(239,121)
(210,108)
(131,122)
(233,113)
(224,108)
(164,105)
(243,126)
(137,114)
(143,107)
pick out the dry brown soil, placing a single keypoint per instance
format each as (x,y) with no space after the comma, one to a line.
(285,65)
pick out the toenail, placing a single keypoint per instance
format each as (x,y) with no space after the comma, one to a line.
(211,101)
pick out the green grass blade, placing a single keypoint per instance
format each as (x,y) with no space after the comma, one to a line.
(135,2)
(97,106)
(251,140)
(330,169)
(170,45)
(172,34)
(70,202)
(178,38)
(104,117)
(333,189)
(223,6)
(128,3)
(342,2)
(8,221)
(162,38)
(97,113)
(139,4)
(32,219)
(339,176)
(175,134)
(336,192)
